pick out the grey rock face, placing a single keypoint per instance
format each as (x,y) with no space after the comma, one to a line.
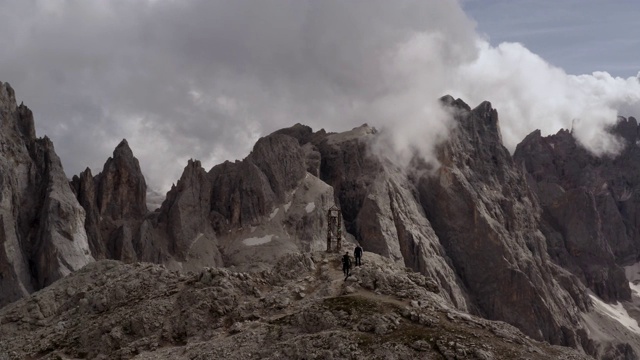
(589,206)
(269,192)
(477,236)
(378,203)
(348,166)
(393,221)
(115,203)
(120,226)
(42,235)
(245,191)
(268,204)
(486,218)
(184,222)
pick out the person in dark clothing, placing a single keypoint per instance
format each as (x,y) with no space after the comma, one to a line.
(357,253)
(346,264)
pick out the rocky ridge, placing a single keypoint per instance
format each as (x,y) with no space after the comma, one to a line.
(590,205)
(300,309)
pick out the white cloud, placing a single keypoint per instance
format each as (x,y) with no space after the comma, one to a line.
(205,78)
(531,94)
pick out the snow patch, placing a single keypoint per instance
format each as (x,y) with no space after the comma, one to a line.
(274,213)
(195,240)
(287,206)
(257,240)
(616,312)
(310,207)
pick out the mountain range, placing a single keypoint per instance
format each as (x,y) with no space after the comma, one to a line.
(537,250)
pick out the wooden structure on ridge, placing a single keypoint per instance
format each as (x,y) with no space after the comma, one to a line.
(334,231)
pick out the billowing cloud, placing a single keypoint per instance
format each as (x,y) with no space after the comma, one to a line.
(531,94)
(205,78)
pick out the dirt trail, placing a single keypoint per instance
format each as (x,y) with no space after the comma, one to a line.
(338,282)
(328,282)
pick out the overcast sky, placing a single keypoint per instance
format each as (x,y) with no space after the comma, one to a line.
(205,79)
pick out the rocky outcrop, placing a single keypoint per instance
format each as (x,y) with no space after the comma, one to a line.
(307,138)
(267,196)
(486,218)
(42,235)
(115,203)
(473,228)
(245,191)
(589,205)
(300,309)
(378,202)
(392,222)
(349,167)
(182,228)
(268,204)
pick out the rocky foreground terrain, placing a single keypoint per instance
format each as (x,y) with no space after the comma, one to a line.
(301,309)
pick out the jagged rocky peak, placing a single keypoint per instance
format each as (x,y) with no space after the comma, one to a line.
(589,205)
(486,218)
(627,128)
(41,223)
(244,191)
(450,101)
(115,204)
(302,133)
(281,159)
(18,119)
(361,134)
(475,142)
(123,150)
(192,170)
(308,140)
(548,148)
(184,219)
(194,181)
(122,189)
(7,99)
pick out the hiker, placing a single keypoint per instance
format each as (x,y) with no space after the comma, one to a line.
(346,264)
(357,253)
